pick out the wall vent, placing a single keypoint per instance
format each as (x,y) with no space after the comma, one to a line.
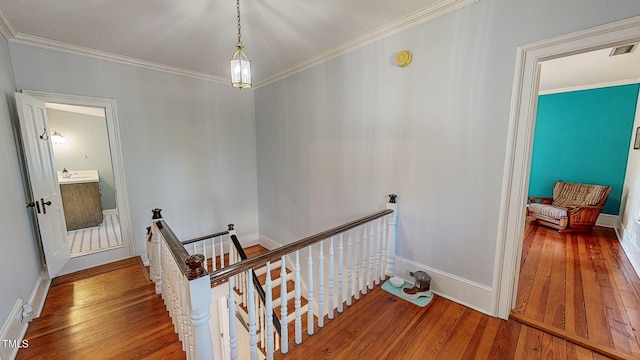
(624,49)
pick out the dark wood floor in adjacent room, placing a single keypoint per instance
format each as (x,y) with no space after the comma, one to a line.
(580,286)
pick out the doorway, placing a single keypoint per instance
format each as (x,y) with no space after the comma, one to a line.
(85,174)
(91,145)
(520,139)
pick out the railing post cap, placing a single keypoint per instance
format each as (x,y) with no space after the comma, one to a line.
(195,264)
(392,198)
(156,213)
(231,227)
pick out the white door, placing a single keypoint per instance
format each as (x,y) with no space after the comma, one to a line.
(46,199)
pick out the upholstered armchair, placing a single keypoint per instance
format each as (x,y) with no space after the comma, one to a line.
(573,207)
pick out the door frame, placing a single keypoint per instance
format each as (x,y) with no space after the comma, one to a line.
(115,148)
(517,166)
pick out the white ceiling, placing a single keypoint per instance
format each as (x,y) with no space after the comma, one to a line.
(197,37)
(590,69)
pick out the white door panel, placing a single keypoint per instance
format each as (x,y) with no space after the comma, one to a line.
(45,190)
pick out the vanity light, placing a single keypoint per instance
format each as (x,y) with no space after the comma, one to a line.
(57,138)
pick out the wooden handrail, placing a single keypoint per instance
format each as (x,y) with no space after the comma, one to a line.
(256,281)
(274,255)
(205,237)
(176,248)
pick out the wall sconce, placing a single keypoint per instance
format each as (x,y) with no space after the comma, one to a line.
(57,138)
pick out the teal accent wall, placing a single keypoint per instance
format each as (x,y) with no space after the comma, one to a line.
(584,136)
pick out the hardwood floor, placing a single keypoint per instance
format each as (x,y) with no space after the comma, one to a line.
(582,287)
(112,311)
(107,312)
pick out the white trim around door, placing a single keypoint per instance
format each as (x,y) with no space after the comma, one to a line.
(122,201)
(520,138)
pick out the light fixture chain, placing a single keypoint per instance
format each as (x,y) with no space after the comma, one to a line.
(238,10)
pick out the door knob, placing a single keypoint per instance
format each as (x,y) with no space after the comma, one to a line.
(44,205)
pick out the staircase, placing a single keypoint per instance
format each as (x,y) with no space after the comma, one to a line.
(276,293)
(338,265)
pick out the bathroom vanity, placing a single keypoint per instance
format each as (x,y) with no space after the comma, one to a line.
(80,192)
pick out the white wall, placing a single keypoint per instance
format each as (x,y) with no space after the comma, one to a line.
(333,140)
(19,259)
(630,206)
(188,145)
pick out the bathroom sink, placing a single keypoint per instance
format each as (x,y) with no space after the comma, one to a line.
(79,176)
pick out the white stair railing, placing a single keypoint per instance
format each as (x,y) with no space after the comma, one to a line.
(369,259)
(182,280)
(185,286)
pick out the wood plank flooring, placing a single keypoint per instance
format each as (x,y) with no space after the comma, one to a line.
(112,312)
(580,286)
(107,312)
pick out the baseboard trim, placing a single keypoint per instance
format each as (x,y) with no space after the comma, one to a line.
(39,293)
(267,242)
(630,242)
(451,287)
(12,333)
(13,330)
(454,288)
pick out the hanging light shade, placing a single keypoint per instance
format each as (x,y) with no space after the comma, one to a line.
(240,64)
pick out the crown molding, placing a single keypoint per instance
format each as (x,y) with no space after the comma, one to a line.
(417,17)
(35,41)
(6,29)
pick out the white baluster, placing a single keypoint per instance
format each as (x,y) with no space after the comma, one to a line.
(340,274)
(391,247)
(372,251)
(298,323)
(269,313)
(251,307)
(383,240)
(222,252)
(214,266)
(155,258)
(284,328)
(378,251)
(365,258)
(233,336)
(331,299)
(349,268)
(259,319)
(321,286)
(310,325)
(356,253)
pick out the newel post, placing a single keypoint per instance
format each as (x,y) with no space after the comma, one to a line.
(392,219)
(200,301)
(154,251)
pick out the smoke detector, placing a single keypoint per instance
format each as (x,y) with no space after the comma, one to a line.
(623,49)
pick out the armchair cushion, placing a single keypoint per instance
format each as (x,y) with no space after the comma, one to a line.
(567,194)
(574,207)
(552,211)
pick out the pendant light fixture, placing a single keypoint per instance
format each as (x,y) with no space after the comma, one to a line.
(240,65)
